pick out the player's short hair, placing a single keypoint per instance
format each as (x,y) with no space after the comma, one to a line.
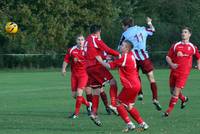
(128,42)
(187,28)
(127,21)
(95,28)
(79,35)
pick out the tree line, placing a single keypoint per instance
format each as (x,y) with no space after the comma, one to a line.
(49,26)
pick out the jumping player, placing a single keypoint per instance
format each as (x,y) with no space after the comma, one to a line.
(138,36)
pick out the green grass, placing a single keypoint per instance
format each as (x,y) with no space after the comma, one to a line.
(39,102)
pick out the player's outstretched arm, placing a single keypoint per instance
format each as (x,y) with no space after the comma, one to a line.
(149,23)
(103,47)
(63,71)
(99,59)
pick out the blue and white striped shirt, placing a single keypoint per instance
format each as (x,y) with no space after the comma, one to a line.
(138,36)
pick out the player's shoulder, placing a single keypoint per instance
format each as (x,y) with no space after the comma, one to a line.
(68,50)
(73,48)
(131,55)
(176,44)
(137,28)
(140,28)
(180,43)
(130,30)
(127,55)
(93,37)
(89,37)
(192,44)
(195,48)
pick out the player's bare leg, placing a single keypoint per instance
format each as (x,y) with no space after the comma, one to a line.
(74,94)
(140,94)
(88,91)
(154,90)
(171,90)
(105,100)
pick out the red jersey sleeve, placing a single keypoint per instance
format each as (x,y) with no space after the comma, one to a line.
(197,54)
(103,47)
(116,63)
(171,52)
(67,56)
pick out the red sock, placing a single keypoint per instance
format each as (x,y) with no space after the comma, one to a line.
(104,98)
(89,97)
(154,90)
(85,102)
(113,94)
(95,103)
(136,115)
(78,104)
(181,97)
(172,102)
(123,113)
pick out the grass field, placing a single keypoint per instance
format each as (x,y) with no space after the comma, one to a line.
(39,102)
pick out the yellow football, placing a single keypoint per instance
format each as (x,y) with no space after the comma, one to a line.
(11,27)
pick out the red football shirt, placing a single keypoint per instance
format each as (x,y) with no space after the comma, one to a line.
(182,54)
(127,70)
(76,57)
(94,47)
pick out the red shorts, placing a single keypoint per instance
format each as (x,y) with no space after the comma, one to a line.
(131,82)
(93,83)
(78,81)
(177,80)
(98,74)
(146,65)
(128,95)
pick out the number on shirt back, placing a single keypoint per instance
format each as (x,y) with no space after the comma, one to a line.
(139,37)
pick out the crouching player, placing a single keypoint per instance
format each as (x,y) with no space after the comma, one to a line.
(180,60)
(131,86)
(76,57)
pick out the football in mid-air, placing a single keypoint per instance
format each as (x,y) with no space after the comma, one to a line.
(11,27)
